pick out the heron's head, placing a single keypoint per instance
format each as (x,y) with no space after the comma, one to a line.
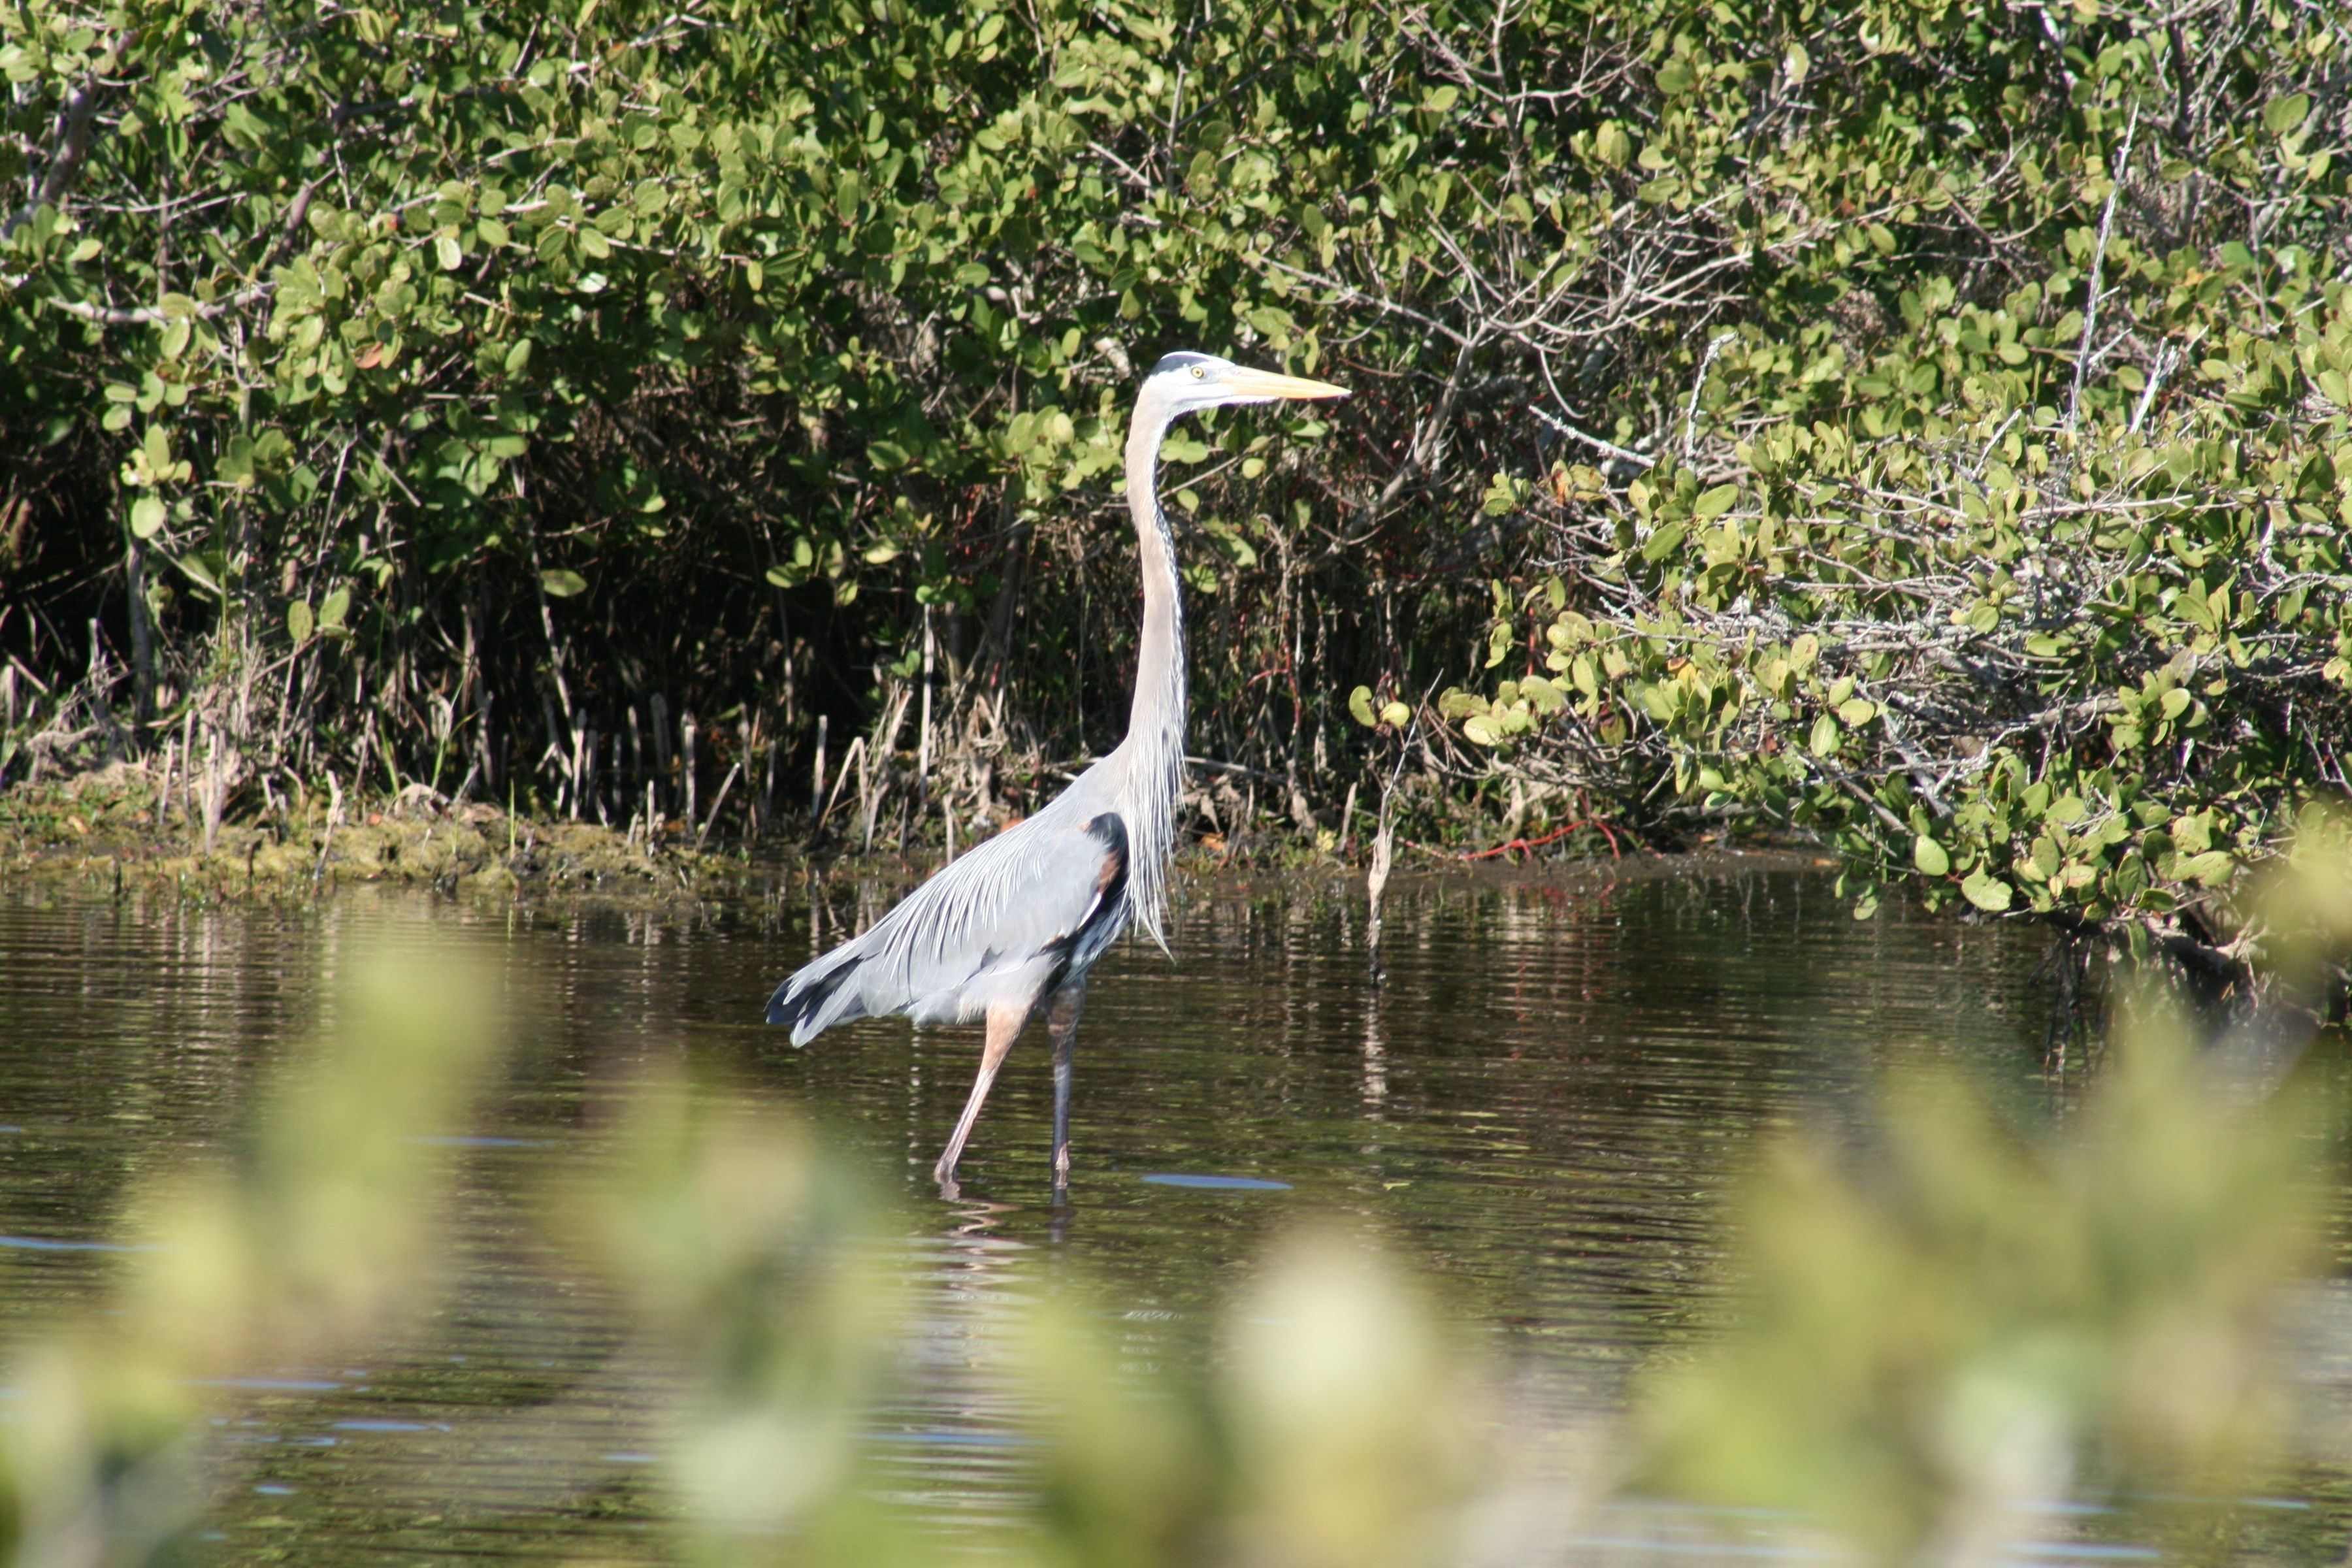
(1186,381)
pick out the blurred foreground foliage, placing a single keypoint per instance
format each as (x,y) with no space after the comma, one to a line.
(1920,425)
(1936,1338)
(316,1243)
(1963,1322)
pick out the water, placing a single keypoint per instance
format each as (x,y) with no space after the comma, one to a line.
(1542,1110)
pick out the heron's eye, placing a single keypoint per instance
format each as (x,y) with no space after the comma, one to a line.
(1198,373)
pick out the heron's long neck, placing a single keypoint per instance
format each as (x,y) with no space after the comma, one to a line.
(1154,784)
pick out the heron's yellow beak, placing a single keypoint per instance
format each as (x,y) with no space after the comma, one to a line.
(1266,384)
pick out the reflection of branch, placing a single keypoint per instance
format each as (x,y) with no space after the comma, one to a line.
(65,163)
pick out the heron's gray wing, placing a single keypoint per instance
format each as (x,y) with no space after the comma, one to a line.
(1031,893)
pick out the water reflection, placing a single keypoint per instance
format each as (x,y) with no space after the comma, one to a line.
(1542,1107)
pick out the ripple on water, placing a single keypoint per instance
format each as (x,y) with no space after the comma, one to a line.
(1199,1180)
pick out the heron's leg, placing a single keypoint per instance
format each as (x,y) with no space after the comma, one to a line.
(1004,1027)
(1062,1026)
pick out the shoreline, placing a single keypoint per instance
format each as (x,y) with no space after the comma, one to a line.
(99,833)
(103,831)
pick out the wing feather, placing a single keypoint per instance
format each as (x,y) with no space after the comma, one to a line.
(1003,906)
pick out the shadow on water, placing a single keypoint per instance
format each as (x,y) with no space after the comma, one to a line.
(1543,1108)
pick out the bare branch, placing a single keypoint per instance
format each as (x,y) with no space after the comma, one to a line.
(65,160)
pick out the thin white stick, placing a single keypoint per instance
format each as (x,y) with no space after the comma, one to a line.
(2099,268)
(2167,361)
(1690,413)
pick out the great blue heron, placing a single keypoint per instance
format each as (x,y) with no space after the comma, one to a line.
(1013,926)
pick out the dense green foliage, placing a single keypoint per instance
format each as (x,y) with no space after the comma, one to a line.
(448,393)
(2051,610)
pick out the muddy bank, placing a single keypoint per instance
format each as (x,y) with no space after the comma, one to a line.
(106,831)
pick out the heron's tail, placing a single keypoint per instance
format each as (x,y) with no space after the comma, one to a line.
(818,997)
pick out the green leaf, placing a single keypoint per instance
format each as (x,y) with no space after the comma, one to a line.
(1929,857)
(334,609)
(562,583)
(1715,502)
(300,622)
(1986,892)
(445,250)
(2282,115)
(1359,705)
(1824,739)
(2211,868)
(235,466)
(147,516)
(518,356)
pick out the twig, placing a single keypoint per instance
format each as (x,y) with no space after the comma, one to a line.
(1554,835)
(65,163)
(2167,361)
(1376,878)
(2098,266)
(716,802)
(1698,384)
(853,758)
(335,815)
(1611,447)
